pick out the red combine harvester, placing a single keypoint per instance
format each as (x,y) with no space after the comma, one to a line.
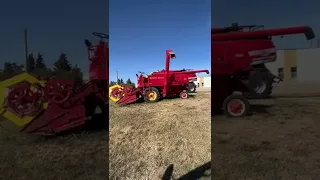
(162,84)
(189,77)
(69,109)
(251,44)
(238,55)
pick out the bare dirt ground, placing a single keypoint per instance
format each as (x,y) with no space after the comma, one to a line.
(77,156)
(146,138)
(281,140)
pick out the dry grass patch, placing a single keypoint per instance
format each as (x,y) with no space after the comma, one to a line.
(81,157)
(280,141)
(146,138)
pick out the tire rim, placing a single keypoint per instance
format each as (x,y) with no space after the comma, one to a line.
(184,95)
(236,107)
(152,96)
(261,88)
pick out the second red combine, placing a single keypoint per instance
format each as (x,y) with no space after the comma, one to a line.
(162,84)
(238,57)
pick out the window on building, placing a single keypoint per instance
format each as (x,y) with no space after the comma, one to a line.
(280,73)
(293,72)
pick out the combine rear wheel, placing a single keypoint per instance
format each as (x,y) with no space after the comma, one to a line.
(184,95)
(192,87)
(152,95)
(236,106)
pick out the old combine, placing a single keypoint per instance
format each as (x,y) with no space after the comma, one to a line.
(55,106)
(189,76)
(161,84)
(238,57)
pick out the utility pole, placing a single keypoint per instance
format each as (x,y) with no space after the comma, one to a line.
(117,77)
(26,48)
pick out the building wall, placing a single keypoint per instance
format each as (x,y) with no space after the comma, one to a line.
(207,81)
(298,65)
(308,64)
(279,63)
(203,81)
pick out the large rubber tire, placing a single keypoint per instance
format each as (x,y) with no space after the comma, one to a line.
(240,100)
(260,84)
(192,87)
(155,92)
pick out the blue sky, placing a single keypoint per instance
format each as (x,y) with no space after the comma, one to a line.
(142,30)
(272,14)
(54,27)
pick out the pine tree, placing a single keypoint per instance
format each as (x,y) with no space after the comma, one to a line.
(39,63)
(62,64)
(30,63)
(128,82)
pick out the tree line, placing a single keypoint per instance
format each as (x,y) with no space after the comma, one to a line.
(122,83)
(62,69)
(36,66)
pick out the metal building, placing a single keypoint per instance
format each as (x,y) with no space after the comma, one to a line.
(203,81)
(300,65)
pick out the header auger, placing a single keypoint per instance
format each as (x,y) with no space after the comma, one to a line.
(238,55)
(55,106)
(162,84)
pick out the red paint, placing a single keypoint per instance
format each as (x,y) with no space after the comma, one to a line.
(170,83)
(67,108)
(230,56)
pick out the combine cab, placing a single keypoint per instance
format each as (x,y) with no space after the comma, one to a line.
(238,55)
(244,50)
(157,85)
(55,106)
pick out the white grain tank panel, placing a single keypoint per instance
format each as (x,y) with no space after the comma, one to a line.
(308,64)
(279,63)
(206,81)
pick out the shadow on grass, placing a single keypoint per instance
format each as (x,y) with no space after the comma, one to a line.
(98,123)
(254,109)
(141,101)
(259,109)
(197,173)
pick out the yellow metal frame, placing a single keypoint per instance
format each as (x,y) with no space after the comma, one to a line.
(110,90)
(20,121)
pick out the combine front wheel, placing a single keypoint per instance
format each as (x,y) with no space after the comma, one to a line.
(184,95)
(152,95)
(236,106)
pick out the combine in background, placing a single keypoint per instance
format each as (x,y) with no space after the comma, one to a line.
(158,85)
(189,75)
(246,49)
